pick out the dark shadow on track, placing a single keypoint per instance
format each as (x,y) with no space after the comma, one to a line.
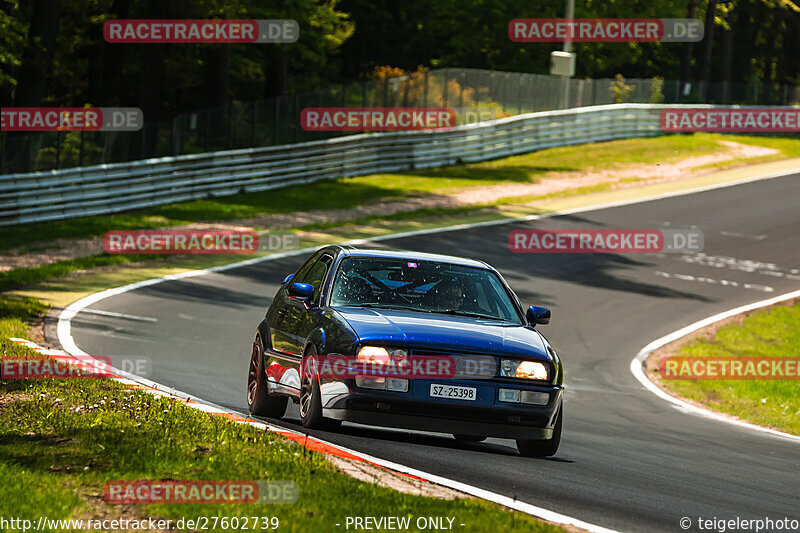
(189,291)
(379,434)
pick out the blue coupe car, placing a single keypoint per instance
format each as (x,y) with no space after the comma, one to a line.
(404,309)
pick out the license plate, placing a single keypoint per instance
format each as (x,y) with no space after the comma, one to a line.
(454,393)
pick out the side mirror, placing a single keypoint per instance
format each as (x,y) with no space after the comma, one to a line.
(537,315)
(286,279)
(301,292)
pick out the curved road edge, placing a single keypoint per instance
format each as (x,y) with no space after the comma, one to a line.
(315,443)
(638,364)
(67,343)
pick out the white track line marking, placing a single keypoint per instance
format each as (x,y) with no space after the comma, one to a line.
(712,281)
(743,235)
(637,366)
(120,315)
(64,327)
(161,390)
(68,342)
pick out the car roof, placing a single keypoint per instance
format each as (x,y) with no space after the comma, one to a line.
(414,256)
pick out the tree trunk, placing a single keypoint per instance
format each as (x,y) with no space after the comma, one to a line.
(38,53)
(217,63)
(686,58)
(275,75)
(725,53)
(708,40)
(151,93)
(275,66)
(113,58)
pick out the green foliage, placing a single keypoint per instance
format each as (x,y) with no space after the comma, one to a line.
(12,40)
(342,41)
(657,90)
(620,91)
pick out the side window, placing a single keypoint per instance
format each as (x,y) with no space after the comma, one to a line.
(316,275)
(303,270)
(480,298)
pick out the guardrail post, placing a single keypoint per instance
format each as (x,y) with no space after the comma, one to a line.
(58,149)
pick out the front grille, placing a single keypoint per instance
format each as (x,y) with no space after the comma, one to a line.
(468,366)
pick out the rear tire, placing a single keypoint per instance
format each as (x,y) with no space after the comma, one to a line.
(258,399)
(311,399)
(546,447)
(469,438)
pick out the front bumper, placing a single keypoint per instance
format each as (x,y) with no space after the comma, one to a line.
(486,416)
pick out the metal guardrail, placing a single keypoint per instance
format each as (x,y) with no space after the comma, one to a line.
(112,188)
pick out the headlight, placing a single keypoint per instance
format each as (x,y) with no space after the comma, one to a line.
(398,356)
(376,355)
(514,368)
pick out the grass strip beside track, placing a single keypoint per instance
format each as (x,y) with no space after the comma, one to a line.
(36,431)
(345,193)
(62,440)
(773,332)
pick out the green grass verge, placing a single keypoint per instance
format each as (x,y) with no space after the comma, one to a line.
(19,277)
(768,333)
(347,193)
(15,312)
(62,440)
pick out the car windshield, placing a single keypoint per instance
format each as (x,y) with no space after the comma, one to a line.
(424,286)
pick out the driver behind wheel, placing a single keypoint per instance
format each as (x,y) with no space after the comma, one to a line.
(450,294)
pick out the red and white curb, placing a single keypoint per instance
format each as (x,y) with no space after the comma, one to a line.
(311,443)
(64,334)
(638,363)
(95,366)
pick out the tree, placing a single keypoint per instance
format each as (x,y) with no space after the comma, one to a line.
(728,21)
(38,53)
(708,41)
(686,58)
(12,42)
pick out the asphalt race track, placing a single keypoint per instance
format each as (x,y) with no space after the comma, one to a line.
(628,460)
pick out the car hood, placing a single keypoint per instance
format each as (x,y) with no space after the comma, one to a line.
(443,332)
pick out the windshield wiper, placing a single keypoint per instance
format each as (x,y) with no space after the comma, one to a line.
(395,306)
(422,310)
(467,313)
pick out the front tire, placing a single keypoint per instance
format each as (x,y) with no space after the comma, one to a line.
(546,447)
(258,399)
(311,398)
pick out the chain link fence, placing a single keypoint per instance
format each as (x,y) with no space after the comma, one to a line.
(475,95)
